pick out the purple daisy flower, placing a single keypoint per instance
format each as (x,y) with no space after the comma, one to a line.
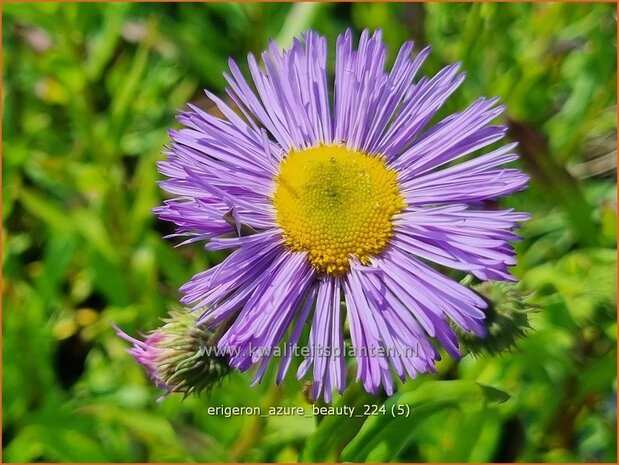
(341,194)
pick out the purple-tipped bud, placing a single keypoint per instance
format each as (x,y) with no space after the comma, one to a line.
(180,356)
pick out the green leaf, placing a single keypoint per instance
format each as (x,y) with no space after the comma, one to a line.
(45,209)
(150,429)
(382,437)
(334,431)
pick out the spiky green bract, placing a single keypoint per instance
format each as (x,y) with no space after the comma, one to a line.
(507,316)
(181,356)
(189,361)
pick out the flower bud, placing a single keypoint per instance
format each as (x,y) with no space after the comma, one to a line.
(507,316)
(180,356)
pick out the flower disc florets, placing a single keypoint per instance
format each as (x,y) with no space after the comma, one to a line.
(334,204)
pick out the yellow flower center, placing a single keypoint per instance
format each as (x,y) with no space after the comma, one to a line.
(335,203)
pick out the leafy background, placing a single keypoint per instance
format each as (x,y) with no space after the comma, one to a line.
(88,93)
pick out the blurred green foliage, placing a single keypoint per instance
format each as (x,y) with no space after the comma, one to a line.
(89,91)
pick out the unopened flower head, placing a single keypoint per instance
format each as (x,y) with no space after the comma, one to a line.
(507,317)
(341,191)
(180,356)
